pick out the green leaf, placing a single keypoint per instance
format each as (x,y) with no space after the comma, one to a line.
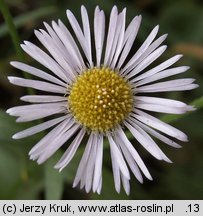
(53,179)
(11,28)
(23,19)
(17,176)
(29,190)
(186,24)
(8,162)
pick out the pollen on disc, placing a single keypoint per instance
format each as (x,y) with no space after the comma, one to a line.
(100,99)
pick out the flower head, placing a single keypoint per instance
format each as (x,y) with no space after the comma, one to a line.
(95,89)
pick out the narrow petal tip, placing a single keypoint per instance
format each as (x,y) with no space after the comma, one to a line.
(46,24)
(40,161)
(156,28)
(150,178)
(195,86)
(36,32)
(26,43)
(181,55)
(57,166)
(167,160)
(15,136)
(191,108)
(83,7)
(13,63)
(74,184)
(124,10)
(185,139)
(97,8)
(8,111)
(10,78)
(68,12)
(60,170)
(32,157)
(99,192)
(164,36)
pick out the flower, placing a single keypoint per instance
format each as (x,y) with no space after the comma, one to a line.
(98,91)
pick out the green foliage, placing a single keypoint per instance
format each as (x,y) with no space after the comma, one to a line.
(31,16)
(17,178)
(53,180)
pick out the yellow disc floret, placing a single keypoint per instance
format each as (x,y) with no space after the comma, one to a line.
(100,99)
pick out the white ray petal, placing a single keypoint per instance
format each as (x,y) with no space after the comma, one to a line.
(20,110)
(79,34)
(172,85)
(70,152)
(146,141)
(118,157)
(158,68)
(118,39)
(133,61)
(35,113)
(98,163)
(50,140)
(161,75)
(116,172)
(76,27)
(69,43)
(42,98)
(40,114)
(163,108)
(56,144)
(44,59)
(161,101)
(134,153)
(38,128)
(87,35)
(48,137)
(129,38)
(99,33)
(100,186)
(83,178)
(83,161)
(126,184)
(60,50)
(129,158)
(87,176)
(159,125)
(39,85)
(162,105)
(156,134)
(147,61)
(91,165)
(111,33)
(150,49)
(36,72)
(57,51)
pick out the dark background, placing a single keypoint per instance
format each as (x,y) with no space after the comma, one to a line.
(21,178)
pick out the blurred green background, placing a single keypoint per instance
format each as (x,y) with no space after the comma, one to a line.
(21,178)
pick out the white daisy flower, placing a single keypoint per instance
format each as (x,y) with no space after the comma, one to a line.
(98,91)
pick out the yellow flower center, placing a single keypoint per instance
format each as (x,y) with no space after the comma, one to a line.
(100,99)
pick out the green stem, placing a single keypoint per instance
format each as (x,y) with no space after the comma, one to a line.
(12,29)
(14,35)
